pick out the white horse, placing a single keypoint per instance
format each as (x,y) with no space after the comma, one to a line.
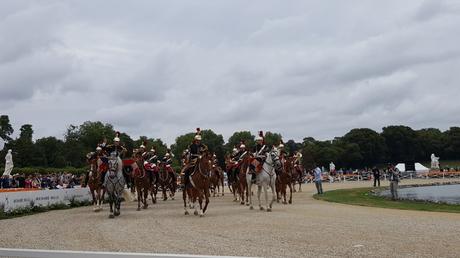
(266,178)
(115,184)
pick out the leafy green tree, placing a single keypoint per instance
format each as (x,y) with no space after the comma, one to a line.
(237,137)
(272,139)
(401,142)
(92,133)
(452,143)
(371,145)
(51,149)
(5,128)
(74,151)
(431,140)
(27,153)
(292,146)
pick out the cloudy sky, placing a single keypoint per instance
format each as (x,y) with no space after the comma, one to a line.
(163,68)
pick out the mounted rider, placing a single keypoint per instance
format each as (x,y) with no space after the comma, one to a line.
(167,160)
(260,154)
(116,148)
(298,161)
(150,163)
(196,149)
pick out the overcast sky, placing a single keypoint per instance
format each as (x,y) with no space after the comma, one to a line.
(163,68)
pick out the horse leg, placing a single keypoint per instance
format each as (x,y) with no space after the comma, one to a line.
(195,196)
(290,193)
(139,197)
(206,196)
(272,186)
(146,194)
(259,191)
(111,201)
(184,197)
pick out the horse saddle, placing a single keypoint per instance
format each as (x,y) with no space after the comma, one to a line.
(257,165)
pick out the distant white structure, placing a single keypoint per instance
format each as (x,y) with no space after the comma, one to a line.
(419,168)
(434,162)
(8,164)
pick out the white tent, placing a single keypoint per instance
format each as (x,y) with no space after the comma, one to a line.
(419,168)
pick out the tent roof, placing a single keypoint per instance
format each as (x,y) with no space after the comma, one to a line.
(418,167)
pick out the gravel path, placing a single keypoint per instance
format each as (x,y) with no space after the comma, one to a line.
(306,228)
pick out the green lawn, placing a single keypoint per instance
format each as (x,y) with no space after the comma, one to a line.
(363,197)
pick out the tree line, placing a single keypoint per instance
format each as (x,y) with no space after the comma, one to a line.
(361,147)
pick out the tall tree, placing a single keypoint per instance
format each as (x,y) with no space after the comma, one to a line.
(5,128)
(237,137)
(431,140)
(272,139)
(453,143)
(371,145)
(401,142)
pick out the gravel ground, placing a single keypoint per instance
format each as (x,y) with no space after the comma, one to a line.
(306,228)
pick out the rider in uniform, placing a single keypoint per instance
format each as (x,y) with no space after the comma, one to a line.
(260,154)
(167,160)
(196,149)
(116,147)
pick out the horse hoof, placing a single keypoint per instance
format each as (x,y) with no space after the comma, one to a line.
(154,201)
(144,207)
(172,198)
(284,202)
(195,213)
(247,204)
(111,216)
(116,213)
(242,203)
(138,209)
(201,215)
(290,202)
(261,208)
(186,213)
(251,208)
(269,210)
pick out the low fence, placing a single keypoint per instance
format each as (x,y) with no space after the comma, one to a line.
(11,200)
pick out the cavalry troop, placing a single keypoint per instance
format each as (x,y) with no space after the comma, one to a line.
(111,172)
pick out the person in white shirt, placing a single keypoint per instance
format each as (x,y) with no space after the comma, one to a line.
(318,180)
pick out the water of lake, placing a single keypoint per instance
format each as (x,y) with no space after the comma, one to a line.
(436,193)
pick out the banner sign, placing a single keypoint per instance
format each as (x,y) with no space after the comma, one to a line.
(13,200)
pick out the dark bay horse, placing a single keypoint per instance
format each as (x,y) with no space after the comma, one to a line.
(217,180)
(233,180)
(284,180)
(199,185)
(242,177)
(297,177)
(167,180)
(140,179)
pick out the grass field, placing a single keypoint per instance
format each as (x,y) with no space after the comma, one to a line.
(364,197)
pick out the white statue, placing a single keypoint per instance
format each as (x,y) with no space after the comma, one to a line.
(8,164)
(434,162)
(331,167)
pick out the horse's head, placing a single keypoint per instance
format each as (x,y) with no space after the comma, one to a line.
(113,165)
(273,158)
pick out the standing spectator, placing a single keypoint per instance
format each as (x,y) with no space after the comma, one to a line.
(318,180)
(393,173)
(28,182)
(376,174)
(21,181)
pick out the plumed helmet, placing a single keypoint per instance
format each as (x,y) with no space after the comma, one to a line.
(98,148)
(198,134)
(167,155)
(144,143)
(235,150)
(242,146)
(260,137)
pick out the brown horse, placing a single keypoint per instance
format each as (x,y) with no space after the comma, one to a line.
(284,180)
(141,180)
(217,180)
(243,186)
(199,185)
(167,180)
(297,177)
(94,180)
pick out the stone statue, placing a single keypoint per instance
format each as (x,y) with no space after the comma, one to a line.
(331,167)
(8,164)
(434,162)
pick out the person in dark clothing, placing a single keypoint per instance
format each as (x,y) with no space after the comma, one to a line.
(196,149)
(376,174)
(260,154)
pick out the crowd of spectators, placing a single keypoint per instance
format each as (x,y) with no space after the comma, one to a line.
(38,181)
